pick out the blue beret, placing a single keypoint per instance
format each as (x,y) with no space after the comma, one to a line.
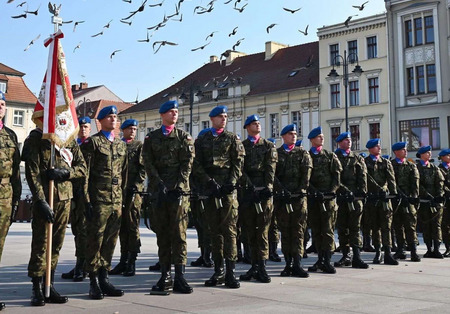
(424,149)
(168,105)
(289,128)
(106,111)
(372,143)
(315,132)
(250,119)
(444,152)
(218,110)
(84,120)
(398,146)
(273,140)
(363,155)
(298,143)
(129,122)
(343,136)
(2,96)
(203,131)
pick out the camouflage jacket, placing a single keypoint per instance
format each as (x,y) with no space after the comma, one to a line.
(168,159)
(431,180)
(326,172)
(107,165)
(406,177)
(380,175)
(9,166)
(136,170)
(354,172)
(293,170)
(37,154)
(446,174)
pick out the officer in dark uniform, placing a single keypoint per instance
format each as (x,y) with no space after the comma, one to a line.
(405,217)
(292,177)
(130,240)
(107,162)
(10,184)
(218,165)
(325,180)
(353,183)
(381,182)
(168,156)
(431,188)
(257,187)
(444,166)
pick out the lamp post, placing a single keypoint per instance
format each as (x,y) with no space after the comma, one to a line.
(199,95)
(83,102)
(346,60)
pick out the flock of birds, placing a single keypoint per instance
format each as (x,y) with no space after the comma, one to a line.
(177,15)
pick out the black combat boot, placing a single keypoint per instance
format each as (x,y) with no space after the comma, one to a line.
(68,275)
(286,272)
(251,273)
(429,253)
(414,256)
(95,292)
(297,270)
(273,255)
(199,261)
(54,297)
(156,267)
(130,268)
(327,267)
(180,284)
(357,262)
(367,247)
(78,273)
(311,249)
(207,261)
(388,258)
(447,250)
(165,283)
(218,278)
(400,253)
(239,251)
(120,268)
(37,297)
(230,278)
(345,259)
(317,265)
(377,258)
(107,287)
(436,253)
(2,306)
(261,274)
(247,255)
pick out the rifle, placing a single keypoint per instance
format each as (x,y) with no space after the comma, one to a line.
(146,206)
(433,201)
(317,196)
(195,196)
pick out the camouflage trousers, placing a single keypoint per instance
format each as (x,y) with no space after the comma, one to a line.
(366,225)
(130,239)
(404,223)
(381,221)
(78,225)
(201,224)
(223,225)
(5,221)
(274,235)
(348,224)
(257,228)
(445,225)
(102,233)
(292,226)
(322,224)
(431,223)
(37,263)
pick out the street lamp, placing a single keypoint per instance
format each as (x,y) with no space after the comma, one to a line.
(346,60)
(199,95)
(83,102)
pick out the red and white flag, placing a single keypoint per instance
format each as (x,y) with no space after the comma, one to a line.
(55,111)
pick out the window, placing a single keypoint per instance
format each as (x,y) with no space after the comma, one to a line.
(423,30)
(420,80)
(297,120)
(353,51)
(18,117)
(371,47)
(354,130)
(431,78)
(334,52)
(205,125)
(354,93)
(410,79)
(223,92)
(374,130)
(429,30)
(335,96)
(418,31)
(374,91)
(421,132)
(207,95)
(418,76)
(3,86)
(274,125)
(408,33)
(335,131)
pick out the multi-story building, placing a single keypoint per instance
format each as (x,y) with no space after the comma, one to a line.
(362,42)
(280,84)
(419,41)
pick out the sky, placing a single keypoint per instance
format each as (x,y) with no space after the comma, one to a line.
(136,71)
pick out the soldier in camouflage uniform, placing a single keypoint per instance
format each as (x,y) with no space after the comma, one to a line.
(37,155)
(77,217)
(381,182)
(325,180)
(444,166)
(217,165)
(405,218)
(107,163)
(257,207)
(293,172)
(353,183)
(130,241)
(10,184)
(168,156)
(431,189)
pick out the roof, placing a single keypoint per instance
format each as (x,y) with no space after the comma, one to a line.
(263,76)
(81,92)
(4,69)
(17,91)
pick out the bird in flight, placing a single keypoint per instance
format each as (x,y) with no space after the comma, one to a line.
(305,32)
(32,42)
(241,9)
(77,46)
(98,34)
(145,40)
(125,22)
(177,11)
(114,53)
(292,11)
(162,43)
(237,43)
(140,9)
(233,32)
(20,4)
(269,27)
(360,7)
(180,20)
(156,4)
(210,35)
(201,47)
(226,2)
(129,1)
(76,24)
(107,25)
(34,12)
(348,20)
(20,16)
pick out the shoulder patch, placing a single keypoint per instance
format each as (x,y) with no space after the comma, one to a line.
(274,154)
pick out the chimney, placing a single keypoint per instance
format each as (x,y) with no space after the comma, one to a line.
(233,55)
(75,87)
(213,59)
(272,48)
(83,85)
